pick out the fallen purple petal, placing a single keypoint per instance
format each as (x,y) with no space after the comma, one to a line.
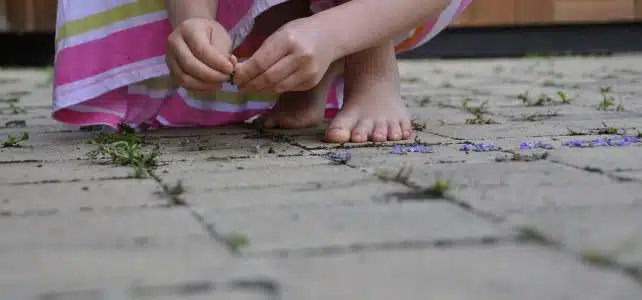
(405,149)
(479,147)
(615,141)
(533,145)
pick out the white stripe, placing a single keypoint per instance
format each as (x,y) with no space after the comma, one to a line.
(78,91)
(109,29)
(223,107)
(339,93)
(69,10)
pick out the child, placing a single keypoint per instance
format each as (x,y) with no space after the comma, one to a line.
(113,58)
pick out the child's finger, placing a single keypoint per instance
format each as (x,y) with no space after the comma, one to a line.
(202,50)
(183,79)
(267,55)
(296,82)
(193,66)
(273,76)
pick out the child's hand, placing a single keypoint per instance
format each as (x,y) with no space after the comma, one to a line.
(294,58)
(198,55)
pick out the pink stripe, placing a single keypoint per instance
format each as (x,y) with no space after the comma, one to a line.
(86,118)
(113,100)
(177,112)
(140,109)
(229,12)
(115,50)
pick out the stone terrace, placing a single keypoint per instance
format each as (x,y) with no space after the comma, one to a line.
(268,215)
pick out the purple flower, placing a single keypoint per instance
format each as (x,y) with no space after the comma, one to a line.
(405,149)
(531,145)
(615,141)
(479,147)
(573,143)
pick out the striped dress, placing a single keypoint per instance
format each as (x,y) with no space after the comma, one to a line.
(110,66)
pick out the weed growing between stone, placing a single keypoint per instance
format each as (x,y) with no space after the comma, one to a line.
(479,113)
(237,241)
(125,148)
(174,193)
(402,175)
(417,124)
(438,189)
(606,129)
(608,101)
(538,116)
(15,141)
(544,99)
(523,158)
(435,191)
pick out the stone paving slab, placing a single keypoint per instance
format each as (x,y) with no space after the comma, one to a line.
(37,172)
(88,251)
(602,233)
(301,229)
(612,159)
(268,215)
(304,195)
(205,174)
(27,200)
(486,273)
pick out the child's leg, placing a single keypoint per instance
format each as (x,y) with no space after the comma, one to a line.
(296,109)
(372,108)
(304,109)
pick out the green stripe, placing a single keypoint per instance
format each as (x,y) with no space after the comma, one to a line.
(162,83)
(105,18)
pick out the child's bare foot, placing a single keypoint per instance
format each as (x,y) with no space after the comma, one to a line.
(297,110)
(304,109)
(372,109)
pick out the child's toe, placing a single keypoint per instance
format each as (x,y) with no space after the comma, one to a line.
(394,131)
(340,129)
(362,131)
(380,131)
(406,129)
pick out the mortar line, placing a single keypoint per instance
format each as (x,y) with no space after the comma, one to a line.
(484,241)
(528,234)
(207,226)
(596,171)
